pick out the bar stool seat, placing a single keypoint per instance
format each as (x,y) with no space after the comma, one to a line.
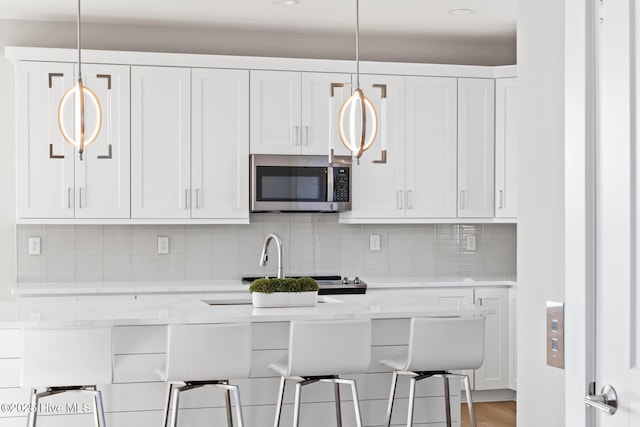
(320,351)
(436,347)
(67,360)
(206,356)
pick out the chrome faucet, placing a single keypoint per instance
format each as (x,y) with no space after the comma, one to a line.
(264,257)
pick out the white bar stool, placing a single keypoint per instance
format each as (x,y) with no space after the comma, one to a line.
(319,351)
(437,346)
(206,356)
(64,360)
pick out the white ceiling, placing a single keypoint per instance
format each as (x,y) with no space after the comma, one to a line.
(494,19)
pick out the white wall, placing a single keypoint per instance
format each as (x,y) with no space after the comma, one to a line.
(541,250)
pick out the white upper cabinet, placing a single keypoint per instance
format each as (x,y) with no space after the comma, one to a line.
(160,142)
(291,111)
(506,196)
(52,182)
(431,147)
(102,177)
(220,144)
(475,148)
(379,188)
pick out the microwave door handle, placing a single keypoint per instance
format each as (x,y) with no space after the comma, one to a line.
(330,184)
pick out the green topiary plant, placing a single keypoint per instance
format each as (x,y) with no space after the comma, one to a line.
(289,284)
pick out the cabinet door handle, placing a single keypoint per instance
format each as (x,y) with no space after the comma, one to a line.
(80,197)
(500,199)
(480,302)
(69,197)
(399,199)
(297,137)
(197,198)
(186,199)
(409,200)
(306,142)
(462,199)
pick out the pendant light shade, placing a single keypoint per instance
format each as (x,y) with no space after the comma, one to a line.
(79,93)
(357,111)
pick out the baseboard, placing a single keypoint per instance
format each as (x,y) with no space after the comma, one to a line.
(501,395)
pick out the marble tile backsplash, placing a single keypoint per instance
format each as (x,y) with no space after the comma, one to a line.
(313,244)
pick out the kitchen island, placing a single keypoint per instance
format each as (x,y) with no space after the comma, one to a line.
(139,319)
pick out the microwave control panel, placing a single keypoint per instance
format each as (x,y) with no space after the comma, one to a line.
(341,184)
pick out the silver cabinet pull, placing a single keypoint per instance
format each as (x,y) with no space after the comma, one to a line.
(197,198)
(500,199)
(606,401)
(462,199)
(399,199)
(409,200)
(186,199)
(69,197)
(307,135)
(80,197)
(297,137)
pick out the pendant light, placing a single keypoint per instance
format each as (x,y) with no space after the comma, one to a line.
(357,111)
(80,94)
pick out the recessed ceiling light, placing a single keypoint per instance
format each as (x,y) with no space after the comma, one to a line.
(286,2)
(461,11)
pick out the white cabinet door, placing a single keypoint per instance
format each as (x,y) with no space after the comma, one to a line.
(506,193)
(102,177)
(431,147)
(220,144)
(45,162)
(494,373)
(475,147)
(160,142)
(275,112)
(320,112)
(378,189)
(513,327)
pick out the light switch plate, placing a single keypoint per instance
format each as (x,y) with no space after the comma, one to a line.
(555,334)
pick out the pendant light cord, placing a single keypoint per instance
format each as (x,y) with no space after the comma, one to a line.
(357,43)
(79,50)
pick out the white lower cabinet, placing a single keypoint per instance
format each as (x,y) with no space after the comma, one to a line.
(494,373)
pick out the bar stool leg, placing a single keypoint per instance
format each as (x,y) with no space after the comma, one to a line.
(227,398)
(472,412)
(276,423)
(100,409)
(236,397)
(392,396)
(296,405)
(412,395)
(336,391)
(31,419)
(167,406)
(175,404)
(356,402)
(447,400)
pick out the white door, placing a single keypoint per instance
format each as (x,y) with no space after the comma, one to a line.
(160,142)
(475,147)
(617,301)
(431,147)
(275,112)
(319,112)
(494,372)
(220,144)
(102,177)
(506,195)
(378,188)
(45,184)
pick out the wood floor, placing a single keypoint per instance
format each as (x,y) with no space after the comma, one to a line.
(491,414)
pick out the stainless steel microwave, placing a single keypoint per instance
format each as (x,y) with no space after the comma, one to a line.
(291,183)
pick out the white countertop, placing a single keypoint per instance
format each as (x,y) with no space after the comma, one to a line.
(120,310)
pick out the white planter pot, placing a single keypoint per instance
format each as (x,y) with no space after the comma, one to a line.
(284,299)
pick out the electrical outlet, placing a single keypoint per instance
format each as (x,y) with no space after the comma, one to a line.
(471,242)
(374,242)
(163,245)
(34,246)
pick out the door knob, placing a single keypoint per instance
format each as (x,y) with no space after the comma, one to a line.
(606,401)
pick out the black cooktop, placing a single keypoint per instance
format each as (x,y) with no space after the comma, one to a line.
(330,285)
